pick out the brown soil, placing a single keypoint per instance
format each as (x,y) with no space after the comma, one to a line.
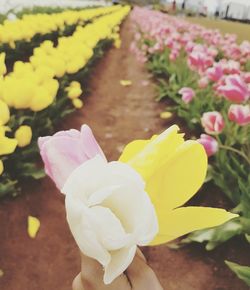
(117,115)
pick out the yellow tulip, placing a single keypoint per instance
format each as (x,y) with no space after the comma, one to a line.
(3,68)
(4,113)
(7,145)
(52,86)
(74,92)
(174,170)
(117,43)
(41,100)
(77,103)
(23,135)
(1,167)
(75,84)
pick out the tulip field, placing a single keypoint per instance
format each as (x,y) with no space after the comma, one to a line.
(163,96)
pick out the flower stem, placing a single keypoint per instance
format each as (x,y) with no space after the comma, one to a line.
(235,151)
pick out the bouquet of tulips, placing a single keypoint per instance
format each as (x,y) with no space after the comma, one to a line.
(113,207)
(206,76)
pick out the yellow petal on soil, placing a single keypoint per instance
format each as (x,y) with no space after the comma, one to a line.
(166,115)
(184,220)
(179,178)
(1,273)
(33,226)
(125,83)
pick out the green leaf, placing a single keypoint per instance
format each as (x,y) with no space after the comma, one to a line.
(215,236)
(31,170)
(9,187)
(247,238)
(243,272)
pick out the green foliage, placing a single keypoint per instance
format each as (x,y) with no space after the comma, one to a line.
(214,237)
(243,272)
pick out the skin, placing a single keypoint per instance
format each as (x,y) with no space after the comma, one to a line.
(138,276)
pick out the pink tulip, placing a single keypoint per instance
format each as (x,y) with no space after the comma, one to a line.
(187,94)
(173,55)
(66,150)
(209,143)
(235,89)
(246,77)
(215,73)
(239,114)
(212,122)
(199,60)
(203,82)
(230,66)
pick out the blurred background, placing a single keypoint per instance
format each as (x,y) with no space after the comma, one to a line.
(120,68)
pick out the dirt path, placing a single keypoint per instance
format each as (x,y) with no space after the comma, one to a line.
(117,115)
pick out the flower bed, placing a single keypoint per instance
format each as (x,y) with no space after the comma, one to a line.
(19,37)
(42,91)
(207,78)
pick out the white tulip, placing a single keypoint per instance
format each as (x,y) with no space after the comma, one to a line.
(109,213)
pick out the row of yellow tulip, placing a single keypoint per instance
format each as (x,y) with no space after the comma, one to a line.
(32,85)
(35,90)
(29,25)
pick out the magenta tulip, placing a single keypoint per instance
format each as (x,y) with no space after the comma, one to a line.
(212,122)
(215,73)
(209,143)
(66,150)
(235,89)
(187,94)
(239,114)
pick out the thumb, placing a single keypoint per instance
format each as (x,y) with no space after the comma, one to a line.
(91,277)
(77,283)
(141,276)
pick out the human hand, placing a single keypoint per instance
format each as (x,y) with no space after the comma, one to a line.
(138,276)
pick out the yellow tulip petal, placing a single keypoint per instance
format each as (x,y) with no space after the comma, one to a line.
(7,145)
(179,178)
(155,154)
(4,129)
(1,167)
(33,226)
(4,113)
(125,83)
(184,220)
(132,149)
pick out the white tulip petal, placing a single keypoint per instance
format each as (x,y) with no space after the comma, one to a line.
(100,195)
(135,211)
(122,171)
(108,228)
(120,260)
(109,213)
(80,222)
(85,178)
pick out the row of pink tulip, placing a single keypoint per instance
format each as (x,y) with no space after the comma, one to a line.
(207,76)
(227,77)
